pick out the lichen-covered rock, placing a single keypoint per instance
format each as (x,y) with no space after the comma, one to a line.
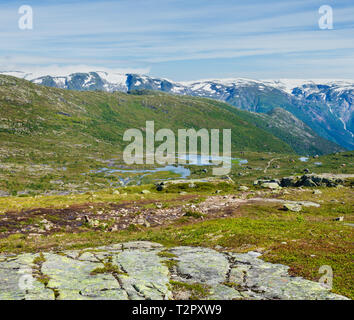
(210,267)
(72,279)
(316,191)
(292,207)
(270,185)
(147,277)
(223,292)
(17,281)
(135,270)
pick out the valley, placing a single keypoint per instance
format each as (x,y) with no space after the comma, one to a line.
(69,202)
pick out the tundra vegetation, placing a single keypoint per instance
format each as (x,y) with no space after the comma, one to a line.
(64,186)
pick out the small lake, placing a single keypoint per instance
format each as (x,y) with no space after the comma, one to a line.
(181,170)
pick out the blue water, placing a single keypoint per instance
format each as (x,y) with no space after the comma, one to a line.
(201,160)
(182,171)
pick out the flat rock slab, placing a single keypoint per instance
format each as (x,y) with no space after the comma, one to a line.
(147,271)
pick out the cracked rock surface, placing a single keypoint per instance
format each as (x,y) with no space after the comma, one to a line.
(145,270)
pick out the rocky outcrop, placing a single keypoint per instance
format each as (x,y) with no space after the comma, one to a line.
(292,207)
(307,180)
(272,184)
(145,270)
(314,180)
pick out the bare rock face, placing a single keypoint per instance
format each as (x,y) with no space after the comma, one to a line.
(145,270)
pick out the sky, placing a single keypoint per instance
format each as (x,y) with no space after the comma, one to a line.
(181,40)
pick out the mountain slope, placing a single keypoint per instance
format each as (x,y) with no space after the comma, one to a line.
(325,106)
(294,133)
(39,121)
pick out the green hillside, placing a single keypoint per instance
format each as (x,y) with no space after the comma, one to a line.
(282,124)
(48,121)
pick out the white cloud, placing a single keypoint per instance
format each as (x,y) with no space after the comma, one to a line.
(33,72)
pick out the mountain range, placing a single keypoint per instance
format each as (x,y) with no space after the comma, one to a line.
(312,108)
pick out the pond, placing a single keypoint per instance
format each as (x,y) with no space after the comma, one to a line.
(138,174)
(304,159)
(181,170)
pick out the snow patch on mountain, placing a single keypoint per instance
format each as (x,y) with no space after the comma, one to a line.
(113,79)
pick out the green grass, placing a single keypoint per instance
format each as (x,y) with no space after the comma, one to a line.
(102,196)
(194,214)
(197,291)
(170,264)
(166,254)
(108,268)
(39,259)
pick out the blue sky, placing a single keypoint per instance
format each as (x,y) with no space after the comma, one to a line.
(181,39)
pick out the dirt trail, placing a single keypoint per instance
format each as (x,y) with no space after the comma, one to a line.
(269,163)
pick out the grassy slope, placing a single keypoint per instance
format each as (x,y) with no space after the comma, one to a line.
(282,124)
(60,118)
